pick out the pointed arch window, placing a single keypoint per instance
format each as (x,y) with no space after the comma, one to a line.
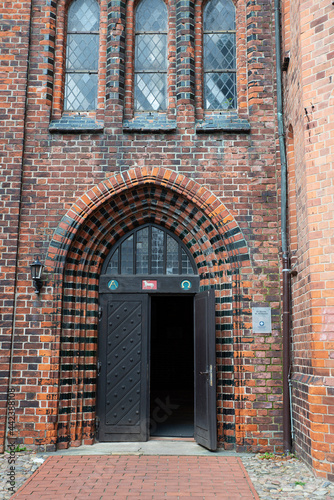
(149,250)
(150,79)
(82,56)
(219,54)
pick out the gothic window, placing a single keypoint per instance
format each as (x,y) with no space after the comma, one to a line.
(150,79)
(82,55)
(150,250)
(219,54)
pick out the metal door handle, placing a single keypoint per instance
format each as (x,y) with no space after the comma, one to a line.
(208,373)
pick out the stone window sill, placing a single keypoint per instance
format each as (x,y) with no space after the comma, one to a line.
(149,122)
(76,124)
(229,122)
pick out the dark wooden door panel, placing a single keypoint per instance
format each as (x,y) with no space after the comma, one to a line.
(205,425)
(123,385)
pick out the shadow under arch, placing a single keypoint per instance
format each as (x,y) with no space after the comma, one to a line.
(76,253)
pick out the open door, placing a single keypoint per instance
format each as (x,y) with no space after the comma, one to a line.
(123,372)
(205,424)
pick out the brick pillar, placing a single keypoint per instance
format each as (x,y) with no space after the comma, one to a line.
(14,47)
(115,57)
(259,36)
(185,42)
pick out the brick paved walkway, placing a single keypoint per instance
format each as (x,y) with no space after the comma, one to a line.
(139,478)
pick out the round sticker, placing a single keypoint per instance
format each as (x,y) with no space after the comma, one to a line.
(113,285)
(186,285)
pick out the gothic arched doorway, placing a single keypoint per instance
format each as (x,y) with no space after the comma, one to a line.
(81,244)
(156,342)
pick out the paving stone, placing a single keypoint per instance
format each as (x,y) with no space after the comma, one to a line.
(272,479)
(26,463)
(195,477)
(287,475)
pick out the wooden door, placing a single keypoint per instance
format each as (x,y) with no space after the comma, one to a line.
(205,424)
(123,368)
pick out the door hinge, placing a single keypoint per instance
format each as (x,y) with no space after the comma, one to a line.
(97,425)
(100,312)
(99,366)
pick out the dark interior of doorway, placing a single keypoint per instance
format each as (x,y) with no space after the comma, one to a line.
(172,366)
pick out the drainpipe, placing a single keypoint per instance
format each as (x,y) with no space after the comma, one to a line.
(285,250)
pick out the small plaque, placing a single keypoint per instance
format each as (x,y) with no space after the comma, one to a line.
(149,285)
(113,285)
(261,319)
(186,285)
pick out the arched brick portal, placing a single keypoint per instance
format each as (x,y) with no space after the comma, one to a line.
(76,253)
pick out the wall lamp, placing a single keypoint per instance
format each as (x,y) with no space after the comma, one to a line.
(36,273)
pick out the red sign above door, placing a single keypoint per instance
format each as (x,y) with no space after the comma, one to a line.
(149,285)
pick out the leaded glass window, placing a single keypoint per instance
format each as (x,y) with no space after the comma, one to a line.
(142,255)
(82,55)
(219,49)
(172,265)
(127,256)
(150,250)
(157,252)
(150,56)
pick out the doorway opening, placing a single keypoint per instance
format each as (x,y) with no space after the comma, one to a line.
(172,366)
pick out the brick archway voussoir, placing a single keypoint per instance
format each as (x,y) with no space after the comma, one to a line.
(80,211)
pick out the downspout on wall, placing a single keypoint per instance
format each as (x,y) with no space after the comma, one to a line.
(287,441)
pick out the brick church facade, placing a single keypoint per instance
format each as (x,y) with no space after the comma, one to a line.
(142,153)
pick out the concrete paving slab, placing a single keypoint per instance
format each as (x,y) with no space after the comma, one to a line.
(152,447)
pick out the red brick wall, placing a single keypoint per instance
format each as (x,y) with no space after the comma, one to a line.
(13,77)
(235,170)
(309,102)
